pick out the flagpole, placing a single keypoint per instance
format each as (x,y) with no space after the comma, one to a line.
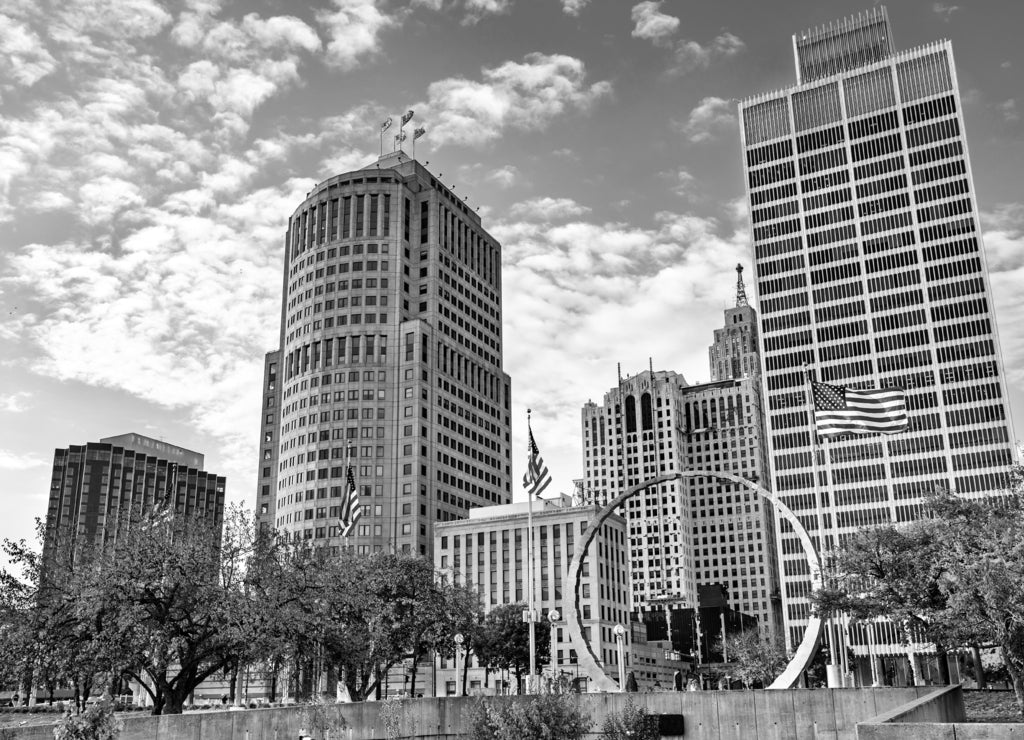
(529,572)
(832,680)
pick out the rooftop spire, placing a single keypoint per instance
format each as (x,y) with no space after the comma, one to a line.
(741,291)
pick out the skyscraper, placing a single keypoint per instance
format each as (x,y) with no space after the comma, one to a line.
(389,364)
(701,530)
(96,487)
(871,273)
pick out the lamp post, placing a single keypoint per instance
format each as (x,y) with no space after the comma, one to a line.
(620,640)
(459,639)
(553,616)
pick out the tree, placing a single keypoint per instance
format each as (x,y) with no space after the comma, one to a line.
(546,716)
(754,660)
(895,572)
(957,576)
(502,641)
(164,603)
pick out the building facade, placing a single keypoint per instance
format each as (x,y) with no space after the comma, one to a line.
(97,487)
(488,552)
(702,530)
(871,273)
(390,363)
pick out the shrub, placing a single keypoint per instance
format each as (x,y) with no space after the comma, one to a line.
(632,723)
(95,723)
(546,717)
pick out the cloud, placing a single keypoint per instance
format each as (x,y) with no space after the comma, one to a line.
(603,293)
(1008,109)
(574,7)
(547,209)
(684,184)
(945,12)
(15,403)
(1006,65)
(525,96)
(708,118)
(477,9)
(504,176)
(690,55)
(650,23)
(354,28)
(23,58)
(10,460)
(1003,235)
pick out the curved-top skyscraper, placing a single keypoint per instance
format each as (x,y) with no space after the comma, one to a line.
(389,365)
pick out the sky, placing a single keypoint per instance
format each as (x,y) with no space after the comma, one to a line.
(151,153)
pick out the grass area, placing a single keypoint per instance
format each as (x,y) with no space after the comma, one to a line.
(991,706)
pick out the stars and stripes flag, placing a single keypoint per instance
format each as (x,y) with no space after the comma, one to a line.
(536,478)
(350,508)
(841,410)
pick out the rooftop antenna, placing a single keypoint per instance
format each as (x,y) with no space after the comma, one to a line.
(741,291)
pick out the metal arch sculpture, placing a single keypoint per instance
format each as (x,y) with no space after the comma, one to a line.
(585,655)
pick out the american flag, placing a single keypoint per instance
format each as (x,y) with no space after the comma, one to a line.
(350,509)
(536,478)
(841,410)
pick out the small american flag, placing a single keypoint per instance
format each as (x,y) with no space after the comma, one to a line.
(350,508)
(841,410)
(536,478)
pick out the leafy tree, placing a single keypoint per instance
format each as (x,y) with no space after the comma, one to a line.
(897,573)
(633,722)
(958,576)
(543,717)
(502,641)
(754,660)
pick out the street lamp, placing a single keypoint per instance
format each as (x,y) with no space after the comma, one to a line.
(459,639)
(553,616)
(620,640)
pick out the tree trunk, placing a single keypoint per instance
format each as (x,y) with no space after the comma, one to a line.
(979,669)
(519,679)
(412,676)
(1015,667)
(233,683)
(465,672)
(943,661)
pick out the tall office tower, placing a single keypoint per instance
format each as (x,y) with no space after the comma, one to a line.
(701,530)
(389,364)
(734,353)
(95,487)
(870,269)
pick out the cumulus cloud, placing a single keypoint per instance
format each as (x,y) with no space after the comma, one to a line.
(1004,247)
(944,11)
(709,117)
(15,403)
(1008,110)
(690,55)
(523,95)
(504,176)
(547,209)
(602,293)
(477,9)
(650,23)
(354,28)
(24,59)
(574,7)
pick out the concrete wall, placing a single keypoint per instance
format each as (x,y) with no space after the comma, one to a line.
(800,714)
(938,716)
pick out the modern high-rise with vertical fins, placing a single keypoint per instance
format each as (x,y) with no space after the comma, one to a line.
(871,272)
(390,362)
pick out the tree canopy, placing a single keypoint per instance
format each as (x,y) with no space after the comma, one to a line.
(957,575)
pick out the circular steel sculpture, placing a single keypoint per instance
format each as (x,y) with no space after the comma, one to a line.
(585,655)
